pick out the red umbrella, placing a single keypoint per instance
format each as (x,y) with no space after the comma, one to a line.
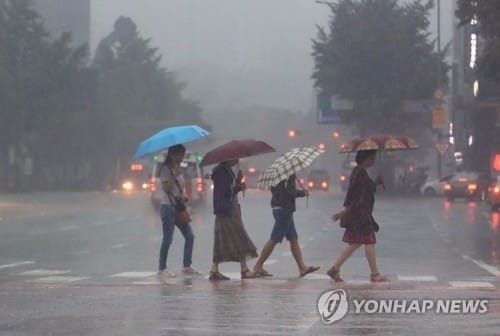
(379,142)
(236,149)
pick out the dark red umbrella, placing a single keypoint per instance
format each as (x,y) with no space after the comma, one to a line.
(379,142)
(236,149)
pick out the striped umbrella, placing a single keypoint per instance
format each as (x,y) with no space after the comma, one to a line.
(288,165)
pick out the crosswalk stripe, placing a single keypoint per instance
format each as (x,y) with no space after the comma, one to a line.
(471,284)
(17,264)
(271,262)
(58,279)
(43,272)
(418,278)
(133,275)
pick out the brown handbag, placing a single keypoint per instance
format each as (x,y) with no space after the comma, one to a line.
(182,217)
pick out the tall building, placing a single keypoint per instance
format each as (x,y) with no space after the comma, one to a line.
(66,16)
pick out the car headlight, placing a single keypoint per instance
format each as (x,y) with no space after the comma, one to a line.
(127,185)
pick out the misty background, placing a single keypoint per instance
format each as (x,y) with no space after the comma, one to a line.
(235,53)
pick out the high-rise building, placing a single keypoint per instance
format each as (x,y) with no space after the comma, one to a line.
(66,16)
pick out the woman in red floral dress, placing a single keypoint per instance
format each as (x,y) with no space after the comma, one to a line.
(356,217)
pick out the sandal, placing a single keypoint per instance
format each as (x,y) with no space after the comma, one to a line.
(378,278)
(334,274)
(248,274)
(215,276)
(262,273)
(310,269)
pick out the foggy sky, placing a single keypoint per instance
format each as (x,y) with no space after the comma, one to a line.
(233,52)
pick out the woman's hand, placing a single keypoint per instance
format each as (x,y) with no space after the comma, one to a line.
(337,216)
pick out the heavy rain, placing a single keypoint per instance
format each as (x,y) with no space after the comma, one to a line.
(230,167)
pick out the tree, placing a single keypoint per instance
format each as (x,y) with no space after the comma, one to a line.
(378,54)
(137,96)
(487,16)
(36,73)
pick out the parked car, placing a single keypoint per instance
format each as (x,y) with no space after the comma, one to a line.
(494,195)
(464,185)
(318,179)
(194,182)
(436,187)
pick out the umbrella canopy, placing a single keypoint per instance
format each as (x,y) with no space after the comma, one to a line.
(236,149)
(287,165)
(379,142)
(169,137)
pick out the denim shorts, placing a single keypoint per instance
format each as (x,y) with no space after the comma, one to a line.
(283,225)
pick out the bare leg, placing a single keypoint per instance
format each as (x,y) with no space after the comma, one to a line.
(371,257)
(297,255)
(348,251)
(215,268)
(266,252)
(243,263)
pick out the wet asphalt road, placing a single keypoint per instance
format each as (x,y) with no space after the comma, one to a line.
(84,264)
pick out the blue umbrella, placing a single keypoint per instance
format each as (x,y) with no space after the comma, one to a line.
(169,137)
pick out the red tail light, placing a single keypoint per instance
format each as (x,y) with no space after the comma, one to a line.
(342,178)
(496,190)
(199,180)
(472,187)
(311,184)
(447,186)
(324,185)
(152,185)
(462,179)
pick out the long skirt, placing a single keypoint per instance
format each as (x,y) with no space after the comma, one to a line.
(231,241)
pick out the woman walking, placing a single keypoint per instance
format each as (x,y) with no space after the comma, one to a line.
(231,241)
(172,185)
(356,217)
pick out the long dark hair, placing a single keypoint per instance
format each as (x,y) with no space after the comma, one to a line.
(361,156)
(172,150)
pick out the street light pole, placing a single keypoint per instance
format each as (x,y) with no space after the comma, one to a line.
(438,99)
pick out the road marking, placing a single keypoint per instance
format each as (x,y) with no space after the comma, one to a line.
(17,264)
(358,282)
(133,275)
(488,268)
(117,246)
(58,279)
(286,254)
(418,278)
(70,228)
(149,283)
(471,284)
(42,272)
(80,253)
(314,276)
(271,261)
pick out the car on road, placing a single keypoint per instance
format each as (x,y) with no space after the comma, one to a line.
(195,185)
(318,179)
(435,187)
(134,178)
(345,174)
(494,195)
(251,177)
(466,185)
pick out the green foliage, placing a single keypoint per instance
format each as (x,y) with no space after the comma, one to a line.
(77,122)
(487,14)
(378,54)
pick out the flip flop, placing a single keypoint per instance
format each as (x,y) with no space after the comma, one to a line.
(262,273)
(310,269)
